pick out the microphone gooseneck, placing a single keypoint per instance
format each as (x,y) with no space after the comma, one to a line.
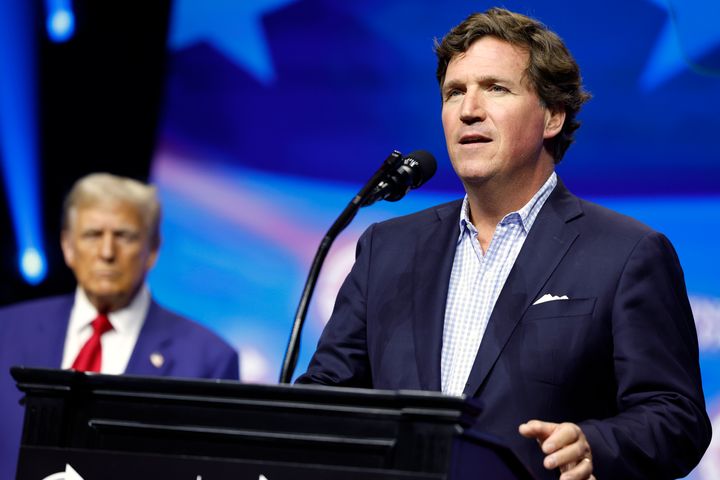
(396,176)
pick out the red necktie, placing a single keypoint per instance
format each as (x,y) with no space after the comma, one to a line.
(90,357)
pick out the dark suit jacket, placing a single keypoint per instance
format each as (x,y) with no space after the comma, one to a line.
(32,334)
(620,357)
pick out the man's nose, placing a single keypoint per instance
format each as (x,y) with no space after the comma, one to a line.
(473,108)
(107,246)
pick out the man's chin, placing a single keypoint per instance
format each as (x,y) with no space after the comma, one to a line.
(473,172)
(104,291)
(475,179)
(108,299)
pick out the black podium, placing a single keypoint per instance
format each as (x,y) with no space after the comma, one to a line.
(125,427)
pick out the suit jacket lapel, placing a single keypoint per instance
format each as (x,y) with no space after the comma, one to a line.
(151,355)
(547,243)
(433,263)
(52,330)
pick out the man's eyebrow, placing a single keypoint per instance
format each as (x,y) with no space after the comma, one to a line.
(482,80)
(451,84)
(490,79)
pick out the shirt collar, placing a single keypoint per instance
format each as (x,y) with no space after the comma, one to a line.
(525,216)
(84,312)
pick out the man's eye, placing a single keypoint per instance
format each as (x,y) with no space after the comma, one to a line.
(126,236)
(498,88)
(453,93)
(91,234)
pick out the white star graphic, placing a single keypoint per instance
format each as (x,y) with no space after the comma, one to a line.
(690,32)
(233,26)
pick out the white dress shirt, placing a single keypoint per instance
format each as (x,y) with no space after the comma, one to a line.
(118,343)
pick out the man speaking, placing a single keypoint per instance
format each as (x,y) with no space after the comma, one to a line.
(568,321)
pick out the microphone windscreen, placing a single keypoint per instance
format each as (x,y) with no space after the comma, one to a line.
(426,166)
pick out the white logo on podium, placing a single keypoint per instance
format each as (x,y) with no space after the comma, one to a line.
(68,474)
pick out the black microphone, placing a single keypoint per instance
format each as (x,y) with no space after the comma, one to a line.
(408,173)
(395,177)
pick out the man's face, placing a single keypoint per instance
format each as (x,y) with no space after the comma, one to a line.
(494,121)
(108,249)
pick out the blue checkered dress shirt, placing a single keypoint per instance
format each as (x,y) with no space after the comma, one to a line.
(475,284)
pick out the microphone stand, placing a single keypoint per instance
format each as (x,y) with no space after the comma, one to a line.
(362,199)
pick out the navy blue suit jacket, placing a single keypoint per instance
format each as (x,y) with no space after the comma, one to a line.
(32,334)
(619,357)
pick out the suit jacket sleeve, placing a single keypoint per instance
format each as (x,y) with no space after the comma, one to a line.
(661,429)
(227,366)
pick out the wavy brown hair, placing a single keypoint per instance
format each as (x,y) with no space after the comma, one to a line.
(551,70)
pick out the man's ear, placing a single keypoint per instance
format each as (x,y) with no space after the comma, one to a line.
(554,121)
(154,251)
(152,258)
(67,248)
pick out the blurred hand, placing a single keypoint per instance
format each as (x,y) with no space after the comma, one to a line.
(565,447)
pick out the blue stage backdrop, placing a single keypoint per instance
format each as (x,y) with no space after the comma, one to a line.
(277,111)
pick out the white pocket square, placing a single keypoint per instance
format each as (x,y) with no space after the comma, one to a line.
(549,298)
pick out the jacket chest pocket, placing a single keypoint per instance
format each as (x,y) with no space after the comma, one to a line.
(561,308)
(557,340)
